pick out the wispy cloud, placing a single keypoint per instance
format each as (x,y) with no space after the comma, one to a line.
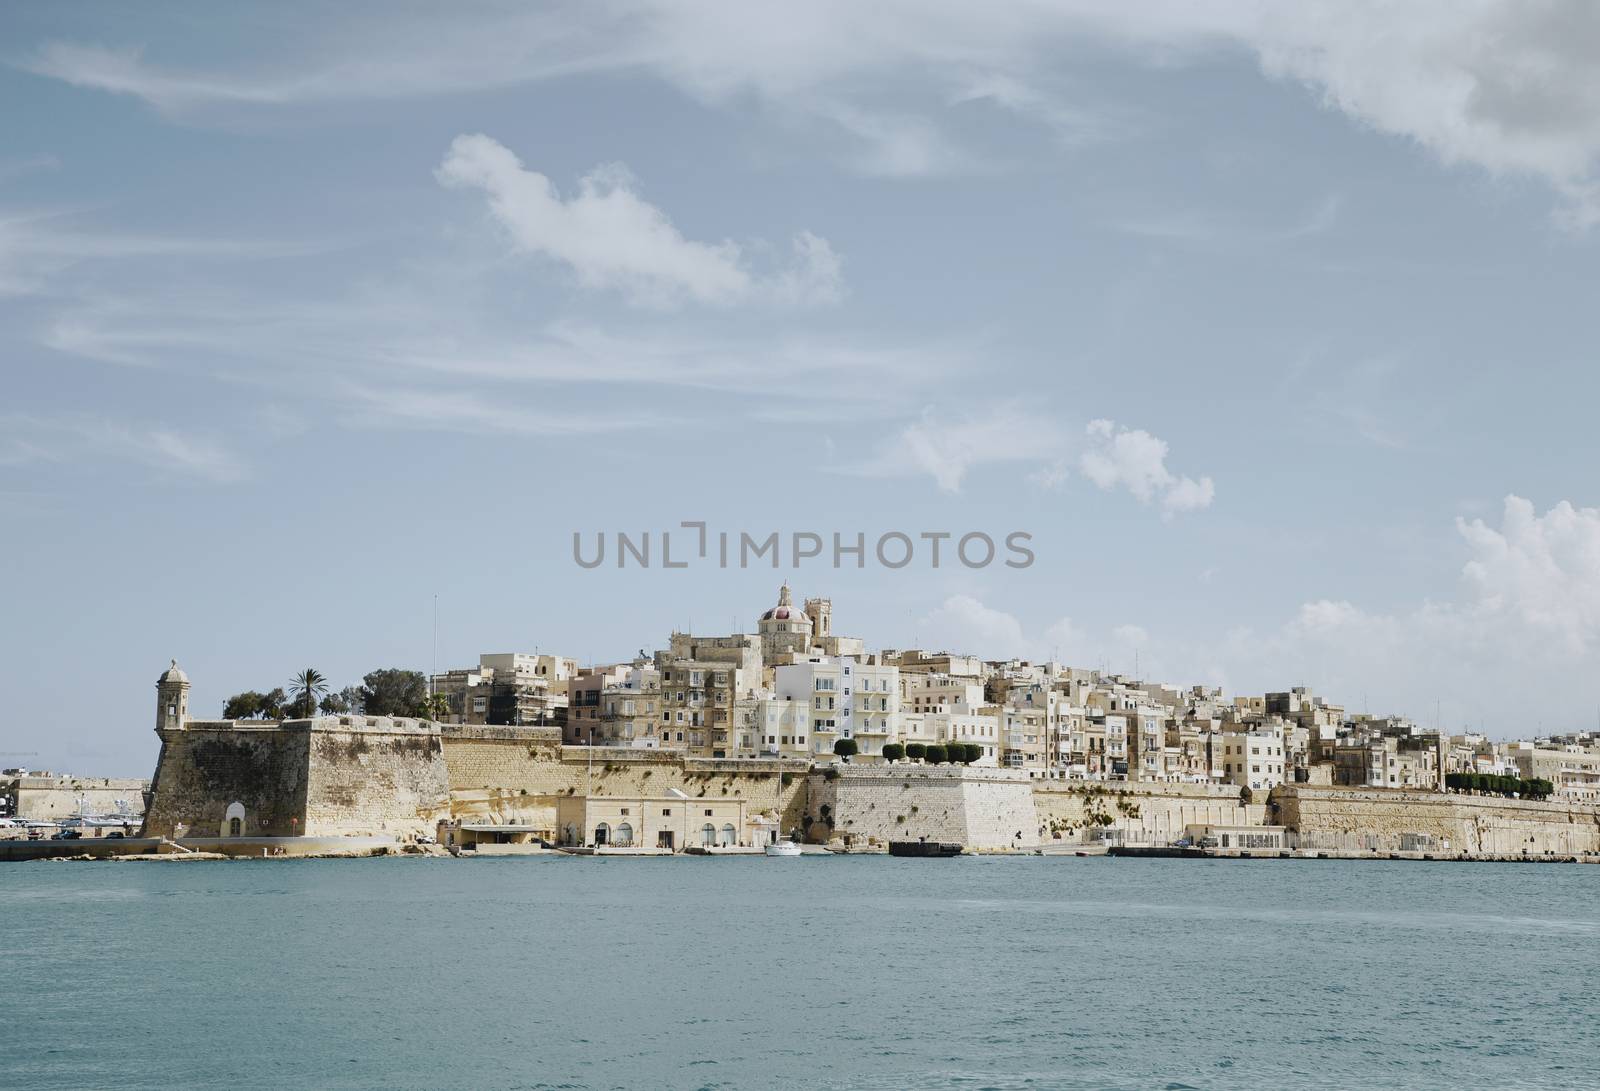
(1507,87)
(36,247)
(948,447)
(29,439)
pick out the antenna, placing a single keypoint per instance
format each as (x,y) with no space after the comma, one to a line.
(435,669)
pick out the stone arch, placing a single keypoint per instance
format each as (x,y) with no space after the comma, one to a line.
(233,820)
(708,835)
(624,835)
(602,834)
(730,835)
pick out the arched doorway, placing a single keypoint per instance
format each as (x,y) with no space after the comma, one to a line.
(729,834)
(708,835)
(233,820)
(602,834)
(624,835)
(569,836)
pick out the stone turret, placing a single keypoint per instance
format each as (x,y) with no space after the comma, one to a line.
(820,611)
(172,698)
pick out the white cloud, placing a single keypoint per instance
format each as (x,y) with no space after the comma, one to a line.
(948,449)
(1507,86)
(964,625)
(1137,461)
(1538,573)
(610,237)
(27,439)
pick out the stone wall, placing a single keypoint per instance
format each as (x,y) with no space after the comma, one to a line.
(369,781)
(205,766)
(56,797)
(517,775)
(1133,813)
(1381,820)
(865,805)
(331,776)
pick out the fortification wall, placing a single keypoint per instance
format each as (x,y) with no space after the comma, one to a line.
(1380,820)
(509,775)
(875,804)
(204,767)
(52,798)
(372,781)
(1132,813)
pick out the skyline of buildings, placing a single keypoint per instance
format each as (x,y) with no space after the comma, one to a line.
(795,688)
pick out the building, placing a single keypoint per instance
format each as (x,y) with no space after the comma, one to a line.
(847,698)
(667,823)
(508,688)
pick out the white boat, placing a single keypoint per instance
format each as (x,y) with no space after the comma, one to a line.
(783,848)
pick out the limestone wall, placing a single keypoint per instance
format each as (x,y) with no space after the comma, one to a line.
(1133,813)
(1380,820)
(875,804)
(204,767)
(331,776)
(56,797)
(506,775)
(366,781)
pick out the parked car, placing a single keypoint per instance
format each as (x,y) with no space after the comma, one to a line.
(67,835)
(116,833)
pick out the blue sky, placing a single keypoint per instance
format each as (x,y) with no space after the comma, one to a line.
(311,315)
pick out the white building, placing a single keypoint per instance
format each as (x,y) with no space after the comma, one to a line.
(848,699)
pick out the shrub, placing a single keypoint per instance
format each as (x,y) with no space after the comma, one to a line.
(893,751)
(846,748)
(971,752)
(916,750)
(935,754)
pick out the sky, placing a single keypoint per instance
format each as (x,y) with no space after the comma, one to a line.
(325,328)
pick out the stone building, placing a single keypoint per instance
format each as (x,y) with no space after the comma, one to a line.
(508,688)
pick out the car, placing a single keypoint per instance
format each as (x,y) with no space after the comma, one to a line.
(67,835)
(116,833)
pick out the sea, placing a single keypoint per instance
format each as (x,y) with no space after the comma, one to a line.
(826,971)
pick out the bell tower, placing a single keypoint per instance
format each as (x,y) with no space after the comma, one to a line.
(172,699)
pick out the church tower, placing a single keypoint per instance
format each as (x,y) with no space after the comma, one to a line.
(172,698)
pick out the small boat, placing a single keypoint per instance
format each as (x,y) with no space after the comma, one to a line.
(938,849)
(783,848)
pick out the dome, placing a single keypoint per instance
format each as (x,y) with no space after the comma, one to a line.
(173,674)
(785,610)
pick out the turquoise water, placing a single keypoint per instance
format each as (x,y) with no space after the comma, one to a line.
(819,972)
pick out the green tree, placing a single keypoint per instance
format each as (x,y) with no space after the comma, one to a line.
(846,748)
(893,751)
(242,706)
(272,703)
(438,707)
(916,750)
(971,752)
(394,692)
(935,754)
(306,689)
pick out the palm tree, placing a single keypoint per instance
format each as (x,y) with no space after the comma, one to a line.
(306,689)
